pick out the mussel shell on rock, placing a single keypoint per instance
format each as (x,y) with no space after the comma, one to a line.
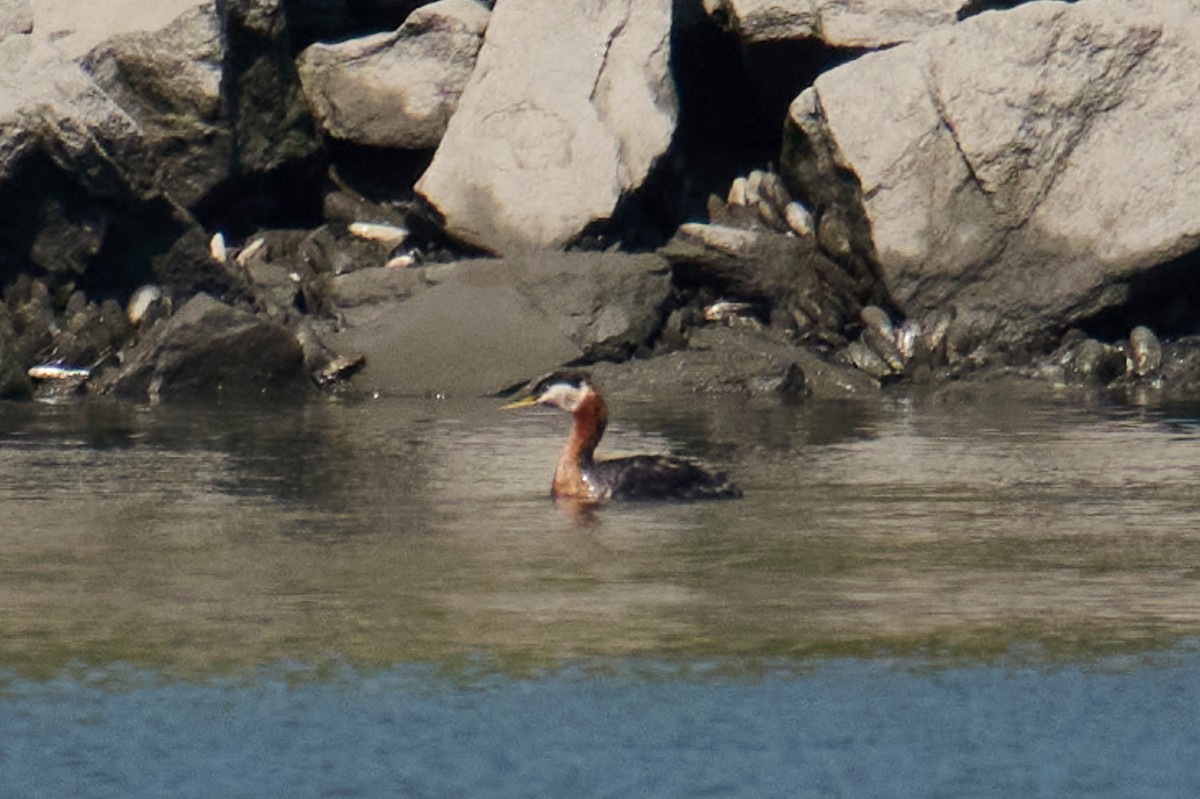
(1146,354)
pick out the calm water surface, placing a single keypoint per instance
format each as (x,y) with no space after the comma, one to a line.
(987,592)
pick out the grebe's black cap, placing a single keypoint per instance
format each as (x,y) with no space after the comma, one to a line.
(572,377)
(534,389)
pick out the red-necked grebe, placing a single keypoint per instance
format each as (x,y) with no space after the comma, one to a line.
(580,476)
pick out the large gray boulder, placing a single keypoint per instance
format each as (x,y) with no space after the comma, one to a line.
(840,23)
(118,119)
(77,28)
(570,105)
(210,87)
(396,89)
(1021,167)
(64,147)
(16,16)
(47,102)
(167,77)
(475,327)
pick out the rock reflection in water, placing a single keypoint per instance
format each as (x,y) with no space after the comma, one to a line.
(397,530)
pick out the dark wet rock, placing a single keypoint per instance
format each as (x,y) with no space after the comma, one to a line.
(1094,361)
(396,89)
(209,348)
(59,328)
(14,381)
(548,139)
(70,235)
(324,366)
(31,314)
(188,267)
(290,272)
(831,381)
(90,333)
(1180,375)
(740,360)
(718,360)
(271,124)
(62,332)
(608,305)
(345,207)
(772,270)
(276,286)
(475,327)
(331,250)
(270,268)
(274,277)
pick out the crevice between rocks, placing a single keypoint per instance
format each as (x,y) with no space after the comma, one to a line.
(722,131)
(975,7)
(1164,298)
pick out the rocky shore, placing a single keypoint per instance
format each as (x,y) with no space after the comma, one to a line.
(822,199)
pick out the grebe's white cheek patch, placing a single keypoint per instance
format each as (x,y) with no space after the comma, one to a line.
(562,395)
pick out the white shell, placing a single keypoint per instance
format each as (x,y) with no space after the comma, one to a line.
(867,360)
(934,328)
(402,261)
(906,338)
(772,190)
(720,237)
(140,302)
(753,181)
(1146,351)
(799,219)
(769,214)
(737,192)
(387,235)
(250,250)
(725,310)
(56,371)
(217,248)
(875,317)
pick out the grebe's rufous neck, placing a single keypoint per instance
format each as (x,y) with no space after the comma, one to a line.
(580,476)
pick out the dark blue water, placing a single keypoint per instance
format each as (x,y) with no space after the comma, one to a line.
(845,729)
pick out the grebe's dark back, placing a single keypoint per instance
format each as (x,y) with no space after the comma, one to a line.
(580,476)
